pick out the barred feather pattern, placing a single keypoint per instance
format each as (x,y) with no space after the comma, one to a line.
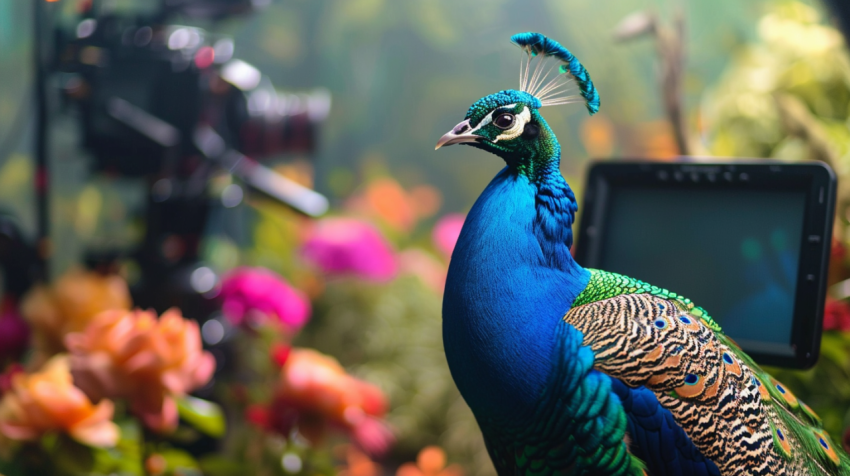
(735,413)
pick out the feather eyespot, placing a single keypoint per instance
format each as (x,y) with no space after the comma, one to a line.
(732,365)
(660,323)
(789,397)
(765,394)
(811,413)
(689,322)
(781,443)
(827,448)
(693,387)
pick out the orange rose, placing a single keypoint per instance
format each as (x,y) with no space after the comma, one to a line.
(318,382)
(315,393)
(70,304)
(47,401)
(148,361)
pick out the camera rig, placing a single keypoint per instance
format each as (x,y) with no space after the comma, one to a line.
(171,106)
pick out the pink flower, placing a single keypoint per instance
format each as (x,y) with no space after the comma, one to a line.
(836,315)
(7,376)
(350,246)
(246,290)
(14,332)
(447,231)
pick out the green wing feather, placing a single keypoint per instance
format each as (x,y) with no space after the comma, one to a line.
(736,413)
(577,428)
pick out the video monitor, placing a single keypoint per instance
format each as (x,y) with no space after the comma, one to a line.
(749,242)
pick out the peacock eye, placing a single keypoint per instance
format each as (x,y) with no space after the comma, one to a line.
(504,121)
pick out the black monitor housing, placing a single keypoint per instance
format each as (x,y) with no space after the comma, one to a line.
(747,241)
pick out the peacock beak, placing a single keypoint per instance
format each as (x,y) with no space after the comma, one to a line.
(460,134)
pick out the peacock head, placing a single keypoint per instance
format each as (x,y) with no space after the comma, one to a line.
(506,123)
(509,123)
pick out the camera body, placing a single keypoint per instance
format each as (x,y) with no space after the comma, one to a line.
(144,88)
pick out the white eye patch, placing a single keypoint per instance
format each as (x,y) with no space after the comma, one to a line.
(520,120)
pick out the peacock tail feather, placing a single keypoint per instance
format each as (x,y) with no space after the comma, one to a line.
(735,413)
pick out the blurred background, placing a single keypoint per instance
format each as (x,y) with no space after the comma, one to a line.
(192,152)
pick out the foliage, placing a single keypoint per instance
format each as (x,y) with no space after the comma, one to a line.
(392,335)
(786,96)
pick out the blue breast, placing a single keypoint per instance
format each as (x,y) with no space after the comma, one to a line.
(503,301)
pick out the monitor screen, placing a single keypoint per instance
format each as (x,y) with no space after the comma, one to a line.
(733,252)
(747,241)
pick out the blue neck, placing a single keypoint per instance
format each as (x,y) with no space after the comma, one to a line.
(511,280)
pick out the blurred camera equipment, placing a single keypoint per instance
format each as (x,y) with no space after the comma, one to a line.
(170,104)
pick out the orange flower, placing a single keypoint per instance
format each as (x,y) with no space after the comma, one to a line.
(315,393)
(390,202)
(148,361)
(48,401)
(431,461)
(598,136)
(426,200)
(70,304)
(385,198)
(358,463)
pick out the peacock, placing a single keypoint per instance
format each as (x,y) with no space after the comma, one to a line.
(581,371)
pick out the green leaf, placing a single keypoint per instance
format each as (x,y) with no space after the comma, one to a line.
(71,457)
(204,415)
(126,457)
(177,460)
(216,465)
(11,468)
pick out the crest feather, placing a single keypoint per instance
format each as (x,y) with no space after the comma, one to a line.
(551,93)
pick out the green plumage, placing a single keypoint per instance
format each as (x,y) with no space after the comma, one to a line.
(604,285)
(736,413)
(583,417)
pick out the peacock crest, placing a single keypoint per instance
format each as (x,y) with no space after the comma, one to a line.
(550,57)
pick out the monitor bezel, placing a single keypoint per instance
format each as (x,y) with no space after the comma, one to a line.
(816,179)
